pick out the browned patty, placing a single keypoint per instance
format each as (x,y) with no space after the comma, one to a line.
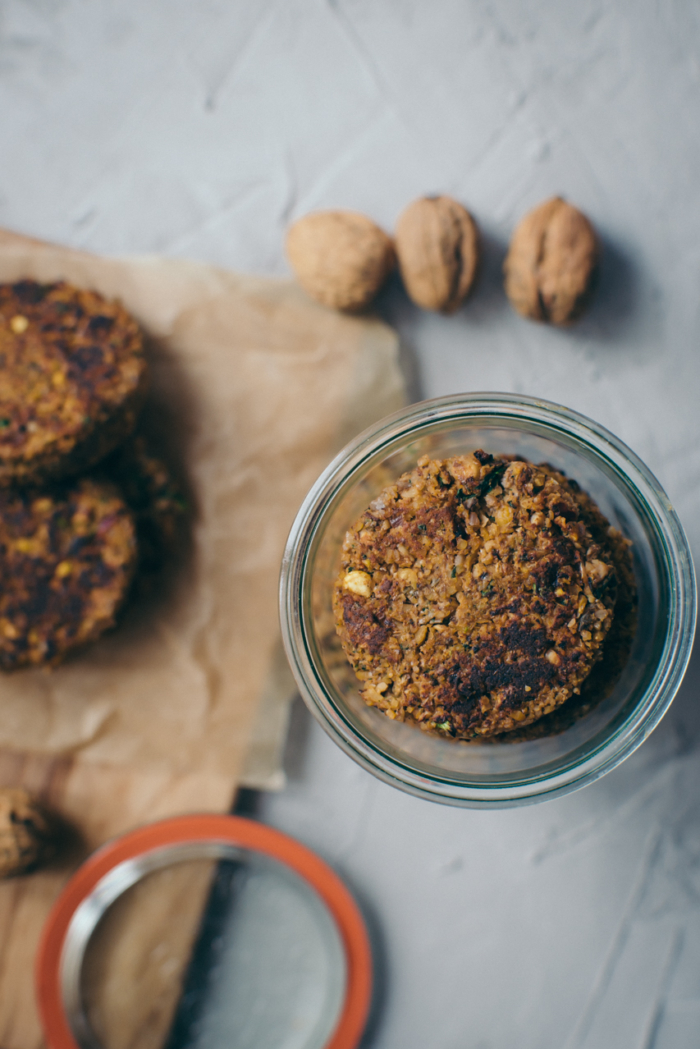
(72,379)
(154,498)
(475,594)
(66,561)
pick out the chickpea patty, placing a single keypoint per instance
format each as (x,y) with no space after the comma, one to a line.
(72,379)
(475,594)
(154,498)
(66,562)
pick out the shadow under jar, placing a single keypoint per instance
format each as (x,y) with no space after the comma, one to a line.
(499,772)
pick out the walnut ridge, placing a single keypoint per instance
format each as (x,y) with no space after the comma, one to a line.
(27,833)
(340,258)
(551,263)
(437,245)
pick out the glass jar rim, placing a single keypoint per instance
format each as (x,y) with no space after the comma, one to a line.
(551,420)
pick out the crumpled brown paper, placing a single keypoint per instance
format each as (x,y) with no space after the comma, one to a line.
(257,388)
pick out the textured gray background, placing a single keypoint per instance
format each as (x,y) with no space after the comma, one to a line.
(200,129)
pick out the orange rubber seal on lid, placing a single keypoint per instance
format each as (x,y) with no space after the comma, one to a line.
(229,830)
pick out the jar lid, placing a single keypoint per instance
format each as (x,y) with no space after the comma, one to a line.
(280,958)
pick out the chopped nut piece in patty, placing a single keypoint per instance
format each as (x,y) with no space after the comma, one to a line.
(72,379)
(475,594)
(66,560)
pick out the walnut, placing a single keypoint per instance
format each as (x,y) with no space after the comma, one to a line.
(27,832)
(341,258)
(437,244)
(551,262)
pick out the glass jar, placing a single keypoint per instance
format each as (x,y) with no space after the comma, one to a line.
(500,772)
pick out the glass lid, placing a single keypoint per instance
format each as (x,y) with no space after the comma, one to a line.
(204,932)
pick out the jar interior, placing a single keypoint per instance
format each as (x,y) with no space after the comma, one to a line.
(500,760)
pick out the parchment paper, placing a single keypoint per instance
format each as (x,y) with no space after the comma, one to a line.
(256,387)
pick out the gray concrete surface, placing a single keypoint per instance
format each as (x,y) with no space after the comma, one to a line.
(200,129)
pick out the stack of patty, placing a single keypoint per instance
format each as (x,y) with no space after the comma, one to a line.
(476,594)
(72,383)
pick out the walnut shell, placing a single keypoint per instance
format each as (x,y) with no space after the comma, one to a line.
(551,262)
(341,258)
(27,833)
(437,244)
